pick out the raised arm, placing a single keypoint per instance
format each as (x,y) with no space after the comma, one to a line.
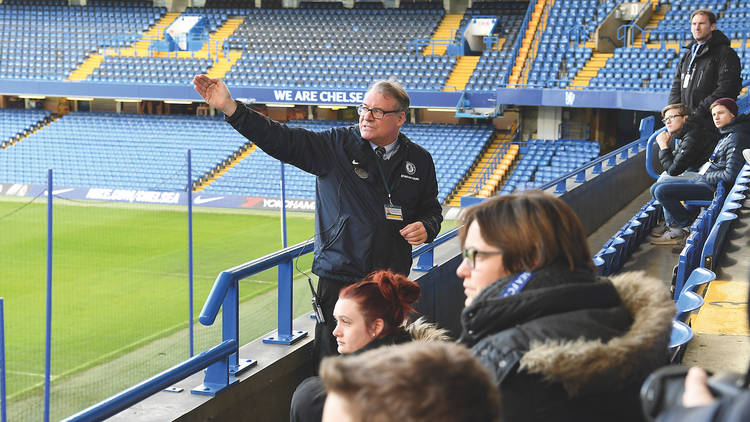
(215,93)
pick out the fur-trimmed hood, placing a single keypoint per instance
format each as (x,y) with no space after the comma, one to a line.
(584,333)
(593,364)
(421,330)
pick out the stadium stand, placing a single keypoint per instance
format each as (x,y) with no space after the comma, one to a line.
(47,41)
(556,62)
(543,161)
(494,65)
(15,123)
(109,150)
(344,48)
(258,174)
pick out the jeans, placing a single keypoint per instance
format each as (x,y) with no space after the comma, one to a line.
(671,193)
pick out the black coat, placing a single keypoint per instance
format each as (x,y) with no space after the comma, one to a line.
(715,74)
(570,346)
(727,156)
(694,148)
(352,235)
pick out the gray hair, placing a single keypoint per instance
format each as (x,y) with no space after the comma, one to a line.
(392,88)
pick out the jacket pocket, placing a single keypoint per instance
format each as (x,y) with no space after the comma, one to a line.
(333,233)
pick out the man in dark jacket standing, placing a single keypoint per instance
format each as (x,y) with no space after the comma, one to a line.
(376,191)
(709,70)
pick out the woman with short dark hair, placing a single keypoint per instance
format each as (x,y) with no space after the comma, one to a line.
(563,344)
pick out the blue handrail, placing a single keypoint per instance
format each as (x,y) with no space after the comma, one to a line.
(646,127)
(138,392)
(519,40)
(650,153)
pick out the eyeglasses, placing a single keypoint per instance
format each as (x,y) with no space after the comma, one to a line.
(470,254)
(376,112)
(669,118)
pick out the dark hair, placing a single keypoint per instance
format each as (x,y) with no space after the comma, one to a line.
(386,295)
(709,14)
(532,229)
(416,382)
(392,88)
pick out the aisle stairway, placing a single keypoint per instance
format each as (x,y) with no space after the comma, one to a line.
(450,23)
(590,69)
(657,17)
(219,170)
(461,73)
(86,68)
(528,39)
(500,144)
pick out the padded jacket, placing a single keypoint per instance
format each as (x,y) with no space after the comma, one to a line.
(571,346)
(715,73)
(694,148)
(352,235)
(727,159)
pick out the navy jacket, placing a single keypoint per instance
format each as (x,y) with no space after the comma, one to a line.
(352,235)
(727,159)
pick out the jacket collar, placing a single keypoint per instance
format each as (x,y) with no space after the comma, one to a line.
(562,291)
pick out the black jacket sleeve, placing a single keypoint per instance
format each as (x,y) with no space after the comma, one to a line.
(729,83)
(675,92)
(693,150)
(307,150)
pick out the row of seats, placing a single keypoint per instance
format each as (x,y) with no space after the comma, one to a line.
(15,122)
(258,174)
(545,160)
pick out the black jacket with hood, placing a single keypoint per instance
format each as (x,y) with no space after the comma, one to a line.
(571,346)
(694,148)
(352,235)
(714,74)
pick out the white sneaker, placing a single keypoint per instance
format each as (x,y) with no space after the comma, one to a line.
(673,236)
(746,154)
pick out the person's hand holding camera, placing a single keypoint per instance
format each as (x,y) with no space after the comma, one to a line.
(696,389)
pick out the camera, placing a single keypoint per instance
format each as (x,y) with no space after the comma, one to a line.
(663,389)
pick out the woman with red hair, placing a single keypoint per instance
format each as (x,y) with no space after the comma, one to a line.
(371,313)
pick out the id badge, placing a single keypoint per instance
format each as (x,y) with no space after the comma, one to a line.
(686,81)
(393,212)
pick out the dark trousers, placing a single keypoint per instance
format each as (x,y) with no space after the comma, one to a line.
(325,342)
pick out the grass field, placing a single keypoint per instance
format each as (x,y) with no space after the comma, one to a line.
(120,282)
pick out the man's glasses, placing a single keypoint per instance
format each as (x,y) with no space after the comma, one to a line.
(669,118)
(376,112)
(470,254)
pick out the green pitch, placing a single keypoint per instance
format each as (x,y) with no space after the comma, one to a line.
(120,280)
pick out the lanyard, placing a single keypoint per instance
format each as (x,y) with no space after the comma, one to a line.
(517,284)
(385,183)
(694,52)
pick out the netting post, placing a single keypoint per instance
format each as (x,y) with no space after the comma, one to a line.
(190,248)
(3,395)
(48,331)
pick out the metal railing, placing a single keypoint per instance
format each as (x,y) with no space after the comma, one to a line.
(646,128)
